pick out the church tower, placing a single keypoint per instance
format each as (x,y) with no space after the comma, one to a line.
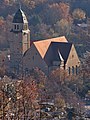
(20,41)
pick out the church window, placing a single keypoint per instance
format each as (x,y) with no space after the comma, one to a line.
(17,27)
(76,69)
(14,26)
(72,69)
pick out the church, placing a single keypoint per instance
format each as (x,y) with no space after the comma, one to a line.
(47,54)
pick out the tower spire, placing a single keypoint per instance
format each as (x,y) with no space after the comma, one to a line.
(20,41)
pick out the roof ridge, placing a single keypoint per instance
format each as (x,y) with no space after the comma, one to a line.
(54,38)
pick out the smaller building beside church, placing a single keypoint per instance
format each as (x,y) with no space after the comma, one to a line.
(47,54)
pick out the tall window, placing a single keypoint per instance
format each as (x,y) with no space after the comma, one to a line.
(17,27)
(76,69)
(72,69)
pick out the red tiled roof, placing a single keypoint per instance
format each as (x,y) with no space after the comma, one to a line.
(43,45)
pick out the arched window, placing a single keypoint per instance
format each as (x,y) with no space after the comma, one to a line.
(15,27)
(73,70)
(76,69)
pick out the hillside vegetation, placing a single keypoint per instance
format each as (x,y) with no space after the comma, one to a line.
(47,19)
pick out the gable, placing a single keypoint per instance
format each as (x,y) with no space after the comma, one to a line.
(73,59)
(52,52)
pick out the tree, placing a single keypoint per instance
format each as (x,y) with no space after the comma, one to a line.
(32,3)
(4,99)
(79,14)
(54,83)
(35,19)
(26,102)
(40,79)
(59,101)
(55,12)
(84,75)
(85,68)
(63,27)
(58,83)
(41,31)
(18,98)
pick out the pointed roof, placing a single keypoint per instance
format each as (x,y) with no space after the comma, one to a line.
(20,17)
(43,45)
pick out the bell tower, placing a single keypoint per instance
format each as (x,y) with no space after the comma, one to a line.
(20,41)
